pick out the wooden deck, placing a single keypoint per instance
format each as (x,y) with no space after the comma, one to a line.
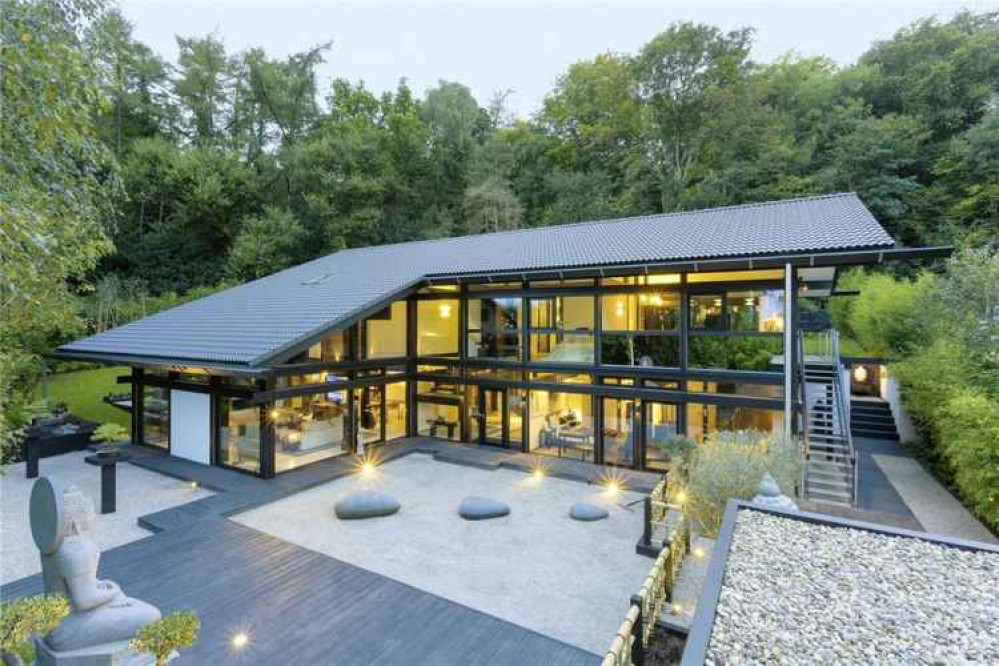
(302,607)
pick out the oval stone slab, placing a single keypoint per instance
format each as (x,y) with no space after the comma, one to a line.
(365,504)
(482,508)
(587,512)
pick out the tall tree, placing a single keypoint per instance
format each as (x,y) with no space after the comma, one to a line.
(203,85)
(684,76)
(55,176)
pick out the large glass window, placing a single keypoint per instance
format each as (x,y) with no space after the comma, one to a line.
(664,278)
(438,420)
(737,388)
(309,428)
(328,350)
(386,332)
(395,410)
(239,434)
(562,425)
(494,328)
(737,276)
(640,312)
(620,431)
(562,329)
(661,423)
(703,420)
(156,416)
(756,353)
(640,350)
(368,403)
(437,327)
(759,311)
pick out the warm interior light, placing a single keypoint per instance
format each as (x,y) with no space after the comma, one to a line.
(657,300)
(619,308)
(274,414)
(860,374)
(240,640)
(445,310)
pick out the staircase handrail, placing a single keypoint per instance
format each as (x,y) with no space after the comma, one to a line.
(843,402)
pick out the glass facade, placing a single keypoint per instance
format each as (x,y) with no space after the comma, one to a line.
(239,434)
(156,416)
(309,428)
(562,425)
(385,333)
(519,365)
(703,420)
(437,327)
(494,328)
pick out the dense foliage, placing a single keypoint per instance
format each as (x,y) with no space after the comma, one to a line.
(21,618)
(177,631)
(943,332)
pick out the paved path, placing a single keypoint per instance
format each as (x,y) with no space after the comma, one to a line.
(936,509)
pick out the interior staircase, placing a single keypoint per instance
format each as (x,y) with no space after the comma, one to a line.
(873,419)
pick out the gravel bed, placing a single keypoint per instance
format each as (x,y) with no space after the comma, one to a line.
(798,593)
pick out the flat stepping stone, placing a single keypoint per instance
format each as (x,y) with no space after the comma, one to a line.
(587,512)
(365,504)
(482,508)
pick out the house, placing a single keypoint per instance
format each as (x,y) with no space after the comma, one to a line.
(594,341)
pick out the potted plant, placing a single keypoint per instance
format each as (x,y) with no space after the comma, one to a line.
(24,617)
(167,635)
(109,434)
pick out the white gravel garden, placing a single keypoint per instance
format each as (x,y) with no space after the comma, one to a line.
(140,491)
(801,593)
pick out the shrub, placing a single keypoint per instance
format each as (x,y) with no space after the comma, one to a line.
(890,316)
(110,433)
(174,632)
(730,465)
(969,442)
(32,615)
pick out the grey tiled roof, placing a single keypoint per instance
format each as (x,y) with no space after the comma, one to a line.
(249,323)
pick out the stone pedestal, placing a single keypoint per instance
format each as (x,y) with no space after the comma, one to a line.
(109,654)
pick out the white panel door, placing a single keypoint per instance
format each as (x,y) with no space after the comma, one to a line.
(190,426)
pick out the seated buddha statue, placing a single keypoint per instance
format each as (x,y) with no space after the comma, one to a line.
(100,613)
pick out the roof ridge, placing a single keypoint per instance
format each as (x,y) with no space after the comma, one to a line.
(584,223)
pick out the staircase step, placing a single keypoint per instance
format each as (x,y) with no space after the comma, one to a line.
(876,427)
(830,485)
(830,497)
(891,436)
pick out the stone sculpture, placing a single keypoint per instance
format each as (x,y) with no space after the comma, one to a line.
(768,494)
(102,619)
(587,512)
(365,504)
(482,508)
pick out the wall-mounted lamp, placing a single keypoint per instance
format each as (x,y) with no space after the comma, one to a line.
(860,374)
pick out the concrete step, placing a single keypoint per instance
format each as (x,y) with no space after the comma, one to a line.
(831,497)
(875,434)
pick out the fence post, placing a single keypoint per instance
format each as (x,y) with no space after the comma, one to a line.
(638,632)
(647,533)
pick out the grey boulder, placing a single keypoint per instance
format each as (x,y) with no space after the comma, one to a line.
(587,512)
(365,504)
(482,508)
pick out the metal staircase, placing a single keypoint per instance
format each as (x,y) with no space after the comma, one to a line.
(830,460)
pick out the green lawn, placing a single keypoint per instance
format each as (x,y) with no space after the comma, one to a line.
(83,392)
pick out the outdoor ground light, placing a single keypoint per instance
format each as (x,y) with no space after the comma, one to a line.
(240,640)
(194,485)
(699,552)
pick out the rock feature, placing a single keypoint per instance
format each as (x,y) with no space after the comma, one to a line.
(482,508)
(587,512)
(365,504)
(102,620)
(768,494)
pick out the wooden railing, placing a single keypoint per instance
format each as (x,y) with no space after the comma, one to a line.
(632,639)
(657,506)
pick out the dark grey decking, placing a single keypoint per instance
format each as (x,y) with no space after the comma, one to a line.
(302,607)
